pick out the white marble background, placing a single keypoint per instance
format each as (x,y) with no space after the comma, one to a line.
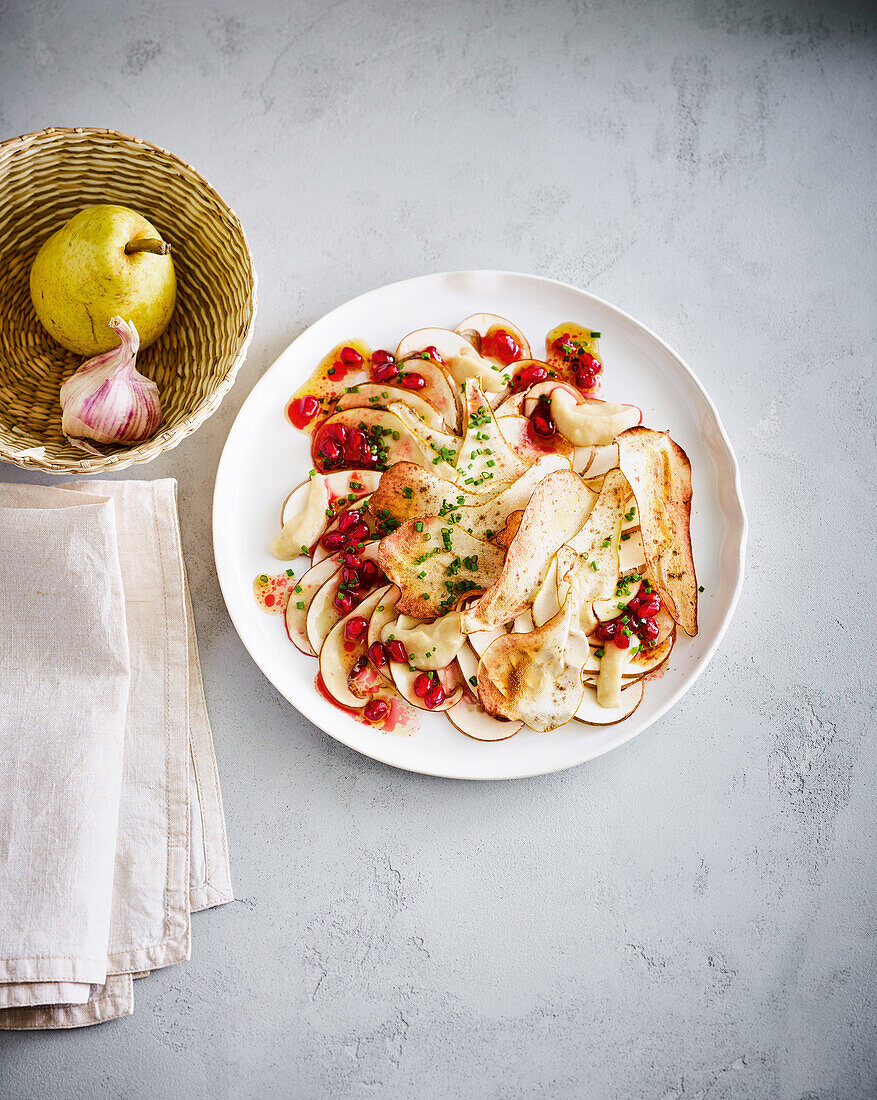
(692,915)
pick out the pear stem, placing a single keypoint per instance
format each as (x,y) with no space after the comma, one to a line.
(148,244)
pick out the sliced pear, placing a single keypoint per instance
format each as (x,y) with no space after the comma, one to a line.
(469,716)
(338,655)
(595,461)
(485,456)
(527,445)
(437,564)
(322,614)
(586,421)
(613,663)
(431,645)
(450,678)
(631,554)
(345,487)
(395,442)
(477,325)
(459,359)
(479,640)
(307,519)
(513,405)
(537,677)
(591,555)
(384,612)
(363,507)
(523,623)
(592,714)
(296,615)
(439,448)
(545,603)
(557,509)
(378,395)
(659,473)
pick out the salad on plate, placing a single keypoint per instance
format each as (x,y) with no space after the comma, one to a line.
(485,537)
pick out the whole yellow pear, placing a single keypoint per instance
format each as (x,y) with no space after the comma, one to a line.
(83,275)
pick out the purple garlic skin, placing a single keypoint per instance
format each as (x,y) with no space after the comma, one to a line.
(107,400)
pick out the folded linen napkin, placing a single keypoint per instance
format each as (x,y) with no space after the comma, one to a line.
(111,822)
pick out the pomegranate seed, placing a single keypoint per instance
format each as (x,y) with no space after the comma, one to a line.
(308,406)
(376,710)
(349,519)
(380,357)
(606,631)
(564,344)
(501,345)
(412,381)
(369,573)
(435,697)
(384,372)
(378,654)
(542,424)
(585,379)
(397,650)
(350,576)
(337,432)
(333,540)
(648,630)
(529,376)
(354,628)
(350,356)
(588,362)
(355,440)
(345,601)
(648,606)
(358,533)
(330,450)
(422,684)
(622,641)
(433,352)
(351,557)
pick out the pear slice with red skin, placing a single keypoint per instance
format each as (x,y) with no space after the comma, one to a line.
(340,484)
(449,677)
(338,654)
(322,612)
(477,325)
(378,395)
(440,389)
(310,584)
(468,715)
(591,713)
(584,421)
(458,358)
(405,448)
(384,613)
(518,433)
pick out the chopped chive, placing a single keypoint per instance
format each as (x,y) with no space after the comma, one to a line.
(700,589)
(300,605)
(418,526)
(599,652)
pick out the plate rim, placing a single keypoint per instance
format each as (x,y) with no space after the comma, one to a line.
(221,553)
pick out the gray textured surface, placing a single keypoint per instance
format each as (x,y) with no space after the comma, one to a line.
(693,915)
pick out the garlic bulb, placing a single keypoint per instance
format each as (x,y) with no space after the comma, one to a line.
(107,399)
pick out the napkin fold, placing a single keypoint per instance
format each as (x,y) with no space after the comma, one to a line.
(111,821)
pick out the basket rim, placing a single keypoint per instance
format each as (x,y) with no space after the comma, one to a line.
(142,452)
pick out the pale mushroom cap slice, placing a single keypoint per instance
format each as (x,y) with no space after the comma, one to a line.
(591,713)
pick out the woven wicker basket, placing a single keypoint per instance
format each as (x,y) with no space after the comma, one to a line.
(47,177)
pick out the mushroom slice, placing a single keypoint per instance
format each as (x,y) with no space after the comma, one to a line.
(659,473)
(378,395)
(591,713)
(556,510)
(456,355)
(477,325)
(485,455)
(537,677)
(595,461)
(338,654)
(468,715)
(545,603)
(323,614)
(435,562)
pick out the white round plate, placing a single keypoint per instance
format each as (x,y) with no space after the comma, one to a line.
(264,458)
